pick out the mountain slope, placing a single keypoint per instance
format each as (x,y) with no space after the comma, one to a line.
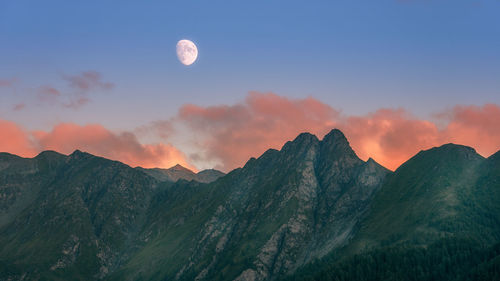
(264,220)
(81,217)
(437,217)
(427,197)
(78,220)
(448,259)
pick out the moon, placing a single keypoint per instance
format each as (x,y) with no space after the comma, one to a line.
(186,52)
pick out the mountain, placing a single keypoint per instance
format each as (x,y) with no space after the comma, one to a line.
(445,191)
(178,172)
(68,217)
(310,211)
(264,220)
(438,212)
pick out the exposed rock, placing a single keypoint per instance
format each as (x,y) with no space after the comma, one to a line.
(259,222)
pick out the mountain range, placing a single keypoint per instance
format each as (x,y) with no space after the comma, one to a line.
(178,172)
(310,211)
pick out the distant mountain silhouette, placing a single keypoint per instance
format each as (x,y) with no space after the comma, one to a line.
(178,172)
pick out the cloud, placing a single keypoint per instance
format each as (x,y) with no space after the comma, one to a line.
(88,80)
(76,94)
(82,84)
(48,94)
(95,139)
(19,106)
(231,134)
(76,103)
(15,140)
(234,133)
(390,136)
(162,128)
(7,82)
(476,126)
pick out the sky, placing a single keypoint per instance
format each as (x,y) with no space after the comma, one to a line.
(396,76)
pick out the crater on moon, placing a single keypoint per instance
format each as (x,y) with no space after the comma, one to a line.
(187,52)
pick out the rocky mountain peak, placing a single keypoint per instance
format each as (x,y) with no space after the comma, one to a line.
(372,164)
(462,149)
(50,155)
(335,145)
(335,136)
(302,142)
(305,139)
(446,153)
(179,167)
(78,154)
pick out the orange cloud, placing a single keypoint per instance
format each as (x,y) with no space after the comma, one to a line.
(393,136)
(233,134)
(390,136)
(475,126)
(95,139)
(15,140)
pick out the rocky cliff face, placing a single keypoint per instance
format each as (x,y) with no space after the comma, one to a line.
(276,213)
(324,191)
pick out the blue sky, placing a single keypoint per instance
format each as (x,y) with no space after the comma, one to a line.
(356,56)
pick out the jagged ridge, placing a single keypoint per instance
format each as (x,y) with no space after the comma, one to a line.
(86,217)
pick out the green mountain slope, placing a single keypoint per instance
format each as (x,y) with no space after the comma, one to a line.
(437,217)
(85,217)
(445,260)
(22,179)
(70,216)
(264,220)
(444,191)
(313,209)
